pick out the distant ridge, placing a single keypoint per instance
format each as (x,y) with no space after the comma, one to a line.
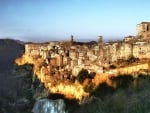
(9,50)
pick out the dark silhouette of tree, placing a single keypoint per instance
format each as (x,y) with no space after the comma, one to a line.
(112,66)
(103,90)
(132,59)
(123,81)
(82,75)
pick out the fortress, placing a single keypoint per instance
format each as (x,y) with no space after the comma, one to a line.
(143,30)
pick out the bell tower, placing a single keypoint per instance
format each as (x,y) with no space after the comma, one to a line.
(71,40)
(100,44)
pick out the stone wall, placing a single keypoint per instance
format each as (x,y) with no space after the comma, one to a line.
(122,50)
(143,30)
(133,68)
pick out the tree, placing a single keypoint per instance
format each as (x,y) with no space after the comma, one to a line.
(82,75)
(132,59)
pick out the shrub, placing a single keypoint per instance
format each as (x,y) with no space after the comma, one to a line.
(82,75)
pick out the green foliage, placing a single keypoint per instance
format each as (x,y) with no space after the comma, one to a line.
(92,75)
(112,66)
(89,88)
(82,75)
(123,81)
(132,95)
(129,99)
(25,74)
(132,59)
(28,94)
(103,90)
(23,70)
(72,79)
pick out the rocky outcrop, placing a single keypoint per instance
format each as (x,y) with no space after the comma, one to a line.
(53,83)
(9,85)
(49,106)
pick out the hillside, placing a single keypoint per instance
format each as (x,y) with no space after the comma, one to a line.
(9,50)
(9,85)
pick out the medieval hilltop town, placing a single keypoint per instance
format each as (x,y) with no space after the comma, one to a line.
(55,61)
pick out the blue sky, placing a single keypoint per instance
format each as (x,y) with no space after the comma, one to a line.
(44,20)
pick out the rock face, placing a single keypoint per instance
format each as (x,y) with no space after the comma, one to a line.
(9,85)
(49,106)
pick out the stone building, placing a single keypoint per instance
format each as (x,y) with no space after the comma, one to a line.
(102,52)
(71,40)
(141,50)
(143,30)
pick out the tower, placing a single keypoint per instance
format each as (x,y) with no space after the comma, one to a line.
(143,30)
(100,40)
(60,60)
(71,40)
(100,44)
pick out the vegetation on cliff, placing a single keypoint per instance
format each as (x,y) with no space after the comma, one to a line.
(31,89)
(132,95)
